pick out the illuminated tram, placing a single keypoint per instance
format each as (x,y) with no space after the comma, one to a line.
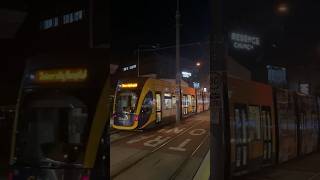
(146,102)
(60,125)
(269,125)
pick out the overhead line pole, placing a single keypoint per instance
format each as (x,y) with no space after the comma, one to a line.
(219,107)
(178,73)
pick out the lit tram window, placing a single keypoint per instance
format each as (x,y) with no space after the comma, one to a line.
(49,23)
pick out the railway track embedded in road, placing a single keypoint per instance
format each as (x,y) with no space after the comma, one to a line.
(128,166)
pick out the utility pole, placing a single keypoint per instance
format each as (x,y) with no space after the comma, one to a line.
(138,68)
(219,107)
(91,41)
(178,73)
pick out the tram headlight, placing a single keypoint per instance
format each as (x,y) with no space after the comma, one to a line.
(85,177)
(10,176)
(136,118)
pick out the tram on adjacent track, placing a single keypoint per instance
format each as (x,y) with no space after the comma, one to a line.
(142,103)
(269,125)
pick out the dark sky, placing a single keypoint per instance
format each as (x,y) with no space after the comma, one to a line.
(290,39)
(149,22)
(286,39)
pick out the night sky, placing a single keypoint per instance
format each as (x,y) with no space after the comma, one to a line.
(150,22)
(286,40)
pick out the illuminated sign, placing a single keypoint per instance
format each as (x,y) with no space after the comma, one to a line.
(129,67)
(61,75)
(186,74)
(196,85)
(129,85)
(243,41)
(277,76)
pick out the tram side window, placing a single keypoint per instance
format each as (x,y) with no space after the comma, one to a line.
(189,100)
(174,102)
(255,122)
(193,103)
(167,101)
(147,103)
(146,108)
(77,120)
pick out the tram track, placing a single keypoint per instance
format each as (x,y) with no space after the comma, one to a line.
(188,158)
(125,168)
(142,132)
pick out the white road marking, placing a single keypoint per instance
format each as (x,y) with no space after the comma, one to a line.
(181,146)
(157,141)
(197,132)
(174,130)
(138,139)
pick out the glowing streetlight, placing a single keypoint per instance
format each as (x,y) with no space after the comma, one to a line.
(282,9)
(198,64)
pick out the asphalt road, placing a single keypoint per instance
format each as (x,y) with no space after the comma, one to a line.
(171,152)
(305,168)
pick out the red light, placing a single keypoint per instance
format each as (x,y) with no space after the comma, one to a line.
(10,176)
(136,118)
(85,178)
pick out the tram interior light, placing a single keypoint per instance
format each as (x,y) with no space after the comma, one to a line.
(85,178)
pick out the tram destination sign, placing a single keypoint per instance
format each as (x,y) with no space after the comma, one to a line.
(61,75)
(128,85)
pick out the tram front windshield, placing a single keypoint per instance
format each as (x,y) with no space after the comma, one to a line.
(52,133)
(126,102)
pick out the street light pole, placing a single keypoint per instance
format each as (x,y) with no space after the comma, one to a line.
(178,73)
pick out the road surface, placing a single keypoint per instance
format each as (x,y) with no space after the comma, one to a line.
(171,152)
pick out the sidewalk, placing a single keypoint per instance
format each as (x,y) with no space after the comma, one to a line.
(306,168)
(203,172)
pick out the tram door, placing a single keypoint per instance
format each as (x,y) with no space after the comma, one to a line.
(301,129)
(266,122)
(241,135)
(158,107)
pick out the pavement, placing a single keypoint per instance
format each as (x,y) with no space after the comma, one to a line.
(304,168)
(175,151)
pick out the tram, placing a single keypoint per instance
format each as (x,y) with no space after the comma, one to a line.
(142,103)
(269,125)
(60,125)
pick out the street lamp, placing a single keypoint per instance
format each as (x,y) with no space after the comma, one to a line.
(282,8)
(198,64)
